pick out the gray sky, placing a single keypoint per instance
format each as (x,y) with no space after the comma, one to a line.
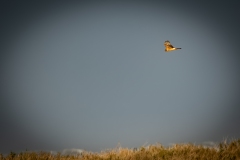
(92,75)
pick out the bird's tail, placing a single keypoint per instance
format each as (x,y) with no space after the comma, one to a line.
(178,48)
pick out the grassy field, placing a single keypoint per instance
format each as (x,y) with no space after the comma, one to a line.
(222,151)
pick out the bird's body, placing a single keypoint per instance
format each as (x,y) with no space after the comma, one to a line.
(169,47)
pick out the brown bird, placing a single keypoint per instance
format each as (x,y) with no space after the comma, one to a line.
(169,47)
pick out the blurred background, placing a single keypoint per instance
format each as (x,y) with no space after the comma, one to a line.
(89,74)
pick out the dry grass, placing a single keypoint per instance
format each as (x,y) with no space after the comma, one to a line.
(223,151)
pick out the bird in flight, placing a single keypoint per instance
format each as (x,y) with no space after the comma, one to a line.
(169,47)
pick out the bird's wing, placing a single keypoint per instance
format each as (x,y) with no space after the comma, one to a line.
(167,43)
(170,46)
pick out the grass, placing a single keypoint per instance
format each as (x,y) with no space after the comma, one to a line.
(222,151)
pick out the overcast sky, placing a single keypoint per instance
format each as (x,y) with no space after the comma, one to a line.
(90,75)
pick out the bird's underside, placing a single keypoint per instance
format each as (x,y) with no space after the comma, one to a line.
(169,47)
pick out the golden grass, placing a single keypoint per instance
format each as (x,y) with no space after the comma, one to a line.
(223,151)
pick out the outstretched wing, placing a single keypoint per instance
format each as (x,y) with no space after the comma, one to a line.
(167,44)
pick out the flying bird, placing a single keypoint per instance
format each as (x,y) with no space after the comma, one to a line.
(169,47)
